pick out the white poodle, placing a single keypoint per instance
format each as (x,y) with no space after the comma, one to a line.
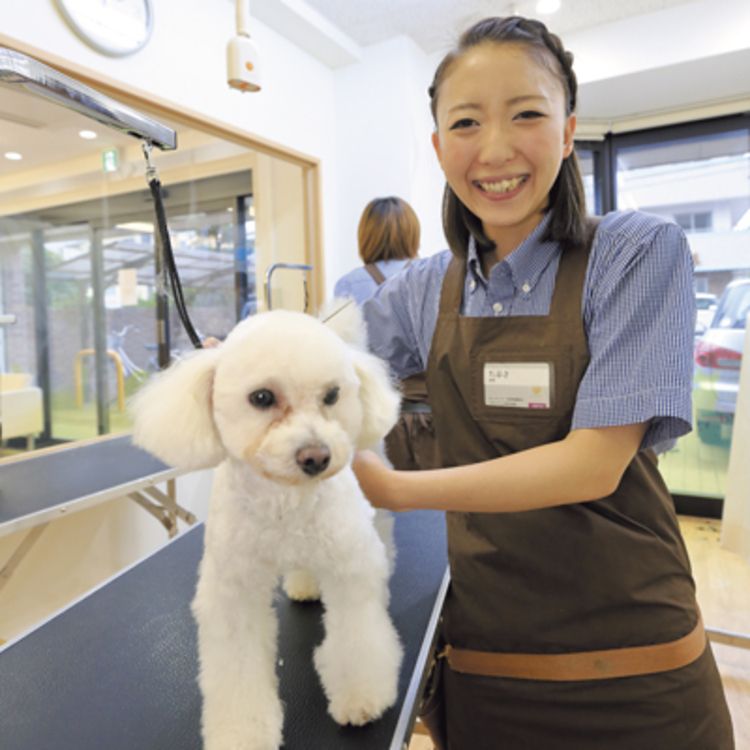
(280,407)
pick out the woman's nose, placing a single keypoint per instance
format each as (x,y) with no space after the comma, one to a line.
(497,145)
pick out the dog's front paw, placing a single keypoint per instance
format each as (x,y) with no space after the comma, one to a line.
(360,707)
(360,683)
(301,586)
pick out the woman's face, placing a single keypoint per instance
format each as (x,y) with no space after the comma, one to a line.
(501,137)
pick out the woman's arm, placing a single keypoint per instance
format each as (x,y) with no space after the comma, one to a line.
(586,465)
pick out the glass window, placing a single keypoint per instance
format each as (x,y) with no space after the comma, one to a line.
(697,176)
(586,163)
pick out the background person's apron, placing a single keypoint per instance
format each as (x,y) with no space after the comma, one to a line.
(606,574)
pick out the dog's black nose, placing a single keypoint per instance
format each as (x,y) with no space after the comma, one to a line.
(313,459)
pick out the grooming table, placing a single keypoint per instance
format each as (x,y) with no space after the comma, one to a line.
(118,669)
(39,487)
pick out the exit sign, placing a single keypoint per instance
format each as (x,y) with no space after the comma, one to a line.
(110,160)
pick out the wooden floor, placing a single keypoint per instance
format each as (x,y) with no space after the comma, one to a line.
(723,583)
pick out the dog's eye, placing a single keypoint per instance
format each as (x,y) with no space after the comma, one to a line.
(262,398)
(332,396)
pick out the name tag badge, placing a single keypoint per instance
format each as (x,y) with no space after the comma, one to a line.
(521,385)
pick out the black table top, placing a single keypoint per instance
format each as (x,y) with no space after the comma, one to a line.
(47,480)
(118,670)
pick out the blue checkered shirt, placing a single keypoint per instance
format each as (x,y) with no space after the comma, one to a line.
(638,311)
(358,283)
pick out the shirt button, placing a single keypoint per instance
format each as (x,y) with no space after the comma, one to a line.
(497,307)
(526,287)
(472,285)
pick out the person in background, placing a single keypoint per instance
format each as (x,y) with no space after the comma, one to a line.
(388,239)
(558,352)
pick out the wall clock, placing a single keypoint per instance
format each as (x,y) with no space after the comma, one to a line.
(112,27)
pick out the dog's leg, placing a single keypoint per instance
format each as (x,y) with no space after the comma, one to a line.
(359,659)
(301,586)
(237,632)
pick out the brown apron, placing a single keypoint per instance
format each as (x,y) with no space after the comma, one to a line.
(602,575)
(411,444)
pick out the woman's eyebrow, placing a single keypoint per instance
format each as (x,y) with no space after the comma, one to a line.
(512,101)
(525,98)
(463,105)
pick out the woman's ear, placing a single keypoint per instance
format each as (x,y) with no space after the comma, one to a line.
(436,145)
(569,136)
(380,399)
(173,414)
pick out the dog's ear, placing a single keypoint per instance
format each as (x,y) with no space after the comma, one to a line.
(172,414)
(345,319)
(380,399)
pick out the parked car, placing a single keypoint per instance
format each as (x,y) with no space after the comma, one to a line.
(705,304)
(718,356)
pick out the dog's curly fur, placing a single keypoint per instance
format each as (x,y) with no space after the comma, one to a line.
(280,407)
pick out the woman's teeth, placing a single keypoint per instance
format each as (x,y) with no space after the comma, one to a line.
(503,186)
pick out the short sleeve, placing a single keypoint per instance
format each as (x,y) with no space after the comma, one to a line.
(342,288)
(639,310)
(402,314)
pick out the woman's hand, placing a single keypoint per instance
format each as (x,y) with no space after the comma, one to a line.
(586,465)
(377,480)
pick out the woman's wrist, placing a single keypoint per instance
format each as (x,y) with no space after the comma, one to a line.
(402,490)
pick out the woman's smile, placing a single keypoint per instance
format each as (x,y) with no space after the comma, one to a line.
(501,188)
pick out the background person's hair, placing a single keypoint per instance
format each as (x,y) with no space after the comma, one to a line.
(388,230)
(567,201)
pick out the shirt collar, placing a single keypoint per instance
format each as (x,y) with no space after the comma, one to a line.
(526,262)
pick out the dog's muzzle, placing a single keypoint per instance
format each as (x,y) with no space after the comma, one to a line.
(313,459)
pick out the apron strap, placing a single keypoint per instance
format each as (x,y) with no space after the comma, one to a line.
(375,272)
(571,274)
(582,665)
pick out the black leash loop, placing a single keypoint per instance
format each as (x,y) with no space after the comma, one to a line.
(166,247)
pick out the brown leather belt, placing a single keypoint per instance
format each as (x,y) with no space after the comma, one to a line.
(581,665)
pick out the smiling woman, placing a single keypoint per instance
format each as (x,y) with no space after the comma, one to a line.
(558,352)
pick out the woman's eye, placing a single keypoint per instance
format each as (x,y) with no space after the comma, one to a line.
(529,114)
(464,122)
(332,396)
(262,398)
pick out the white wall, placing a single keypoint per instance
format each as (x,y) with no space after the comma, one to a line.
(383,143)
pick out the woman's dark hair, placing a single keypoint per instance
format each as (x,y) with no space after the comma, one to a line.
(388,230)
(567,202)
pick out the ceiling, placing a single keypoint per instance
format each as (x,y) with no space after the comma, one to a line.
(434,24)
(46,133)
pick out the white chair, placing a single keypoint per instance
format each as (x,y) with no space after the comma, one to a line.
(21,412)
